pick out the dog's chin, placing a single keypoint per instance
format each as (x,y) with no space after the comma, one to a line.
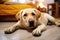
(32,27)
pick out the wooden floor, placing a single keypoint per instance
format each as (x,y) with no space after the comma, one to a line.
(52,33)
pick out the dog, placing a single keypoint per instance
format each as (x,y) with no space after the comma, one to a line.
(31,18)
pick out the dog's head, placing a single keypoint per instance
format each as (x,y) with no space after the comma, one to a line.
(29,17)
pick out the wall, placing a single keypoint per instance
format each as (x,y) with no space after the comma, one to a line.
(50,1)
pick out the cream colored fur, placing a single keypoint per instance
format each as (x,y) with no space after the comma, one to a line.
(40,21)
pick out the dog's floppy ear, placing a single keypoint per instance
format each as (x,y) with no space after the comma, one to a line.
(18,15)
(37,12)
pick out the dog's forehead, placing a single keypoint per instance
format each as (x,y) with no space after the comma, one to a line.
(29,10)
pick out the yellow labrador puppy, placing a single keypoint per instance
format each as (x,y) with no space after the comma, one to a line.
(31,18)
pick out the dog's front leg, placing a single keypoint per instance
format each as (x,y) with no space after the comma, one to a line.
(38,30)
(12,28)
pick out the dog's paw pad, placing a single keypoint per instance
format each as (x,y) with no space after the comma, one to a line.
(58,25)
(36,32)
(36,35)
(7,31)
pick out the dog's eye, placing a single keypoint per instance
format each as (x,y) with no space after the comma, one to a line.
(33,14)
(25,14)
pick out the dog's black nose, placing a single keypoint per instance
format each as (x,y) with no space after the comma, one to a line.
(31,23)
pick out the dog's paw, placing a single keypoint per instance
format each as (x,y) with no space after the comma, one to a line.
(36,32)
(8,31)
(58,25)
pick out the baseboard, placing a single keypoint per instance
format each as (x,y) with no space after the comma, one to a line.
(7,18)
